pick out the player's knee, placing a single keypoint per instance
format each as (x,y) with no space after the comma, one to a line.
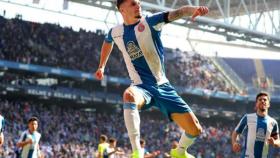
(198,130)
(195,131)
(128,96)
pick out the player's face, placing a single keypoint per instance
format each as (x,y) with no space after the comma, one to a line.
(33,126)
(131,9)
(262,103)
(114,144)
(174,144)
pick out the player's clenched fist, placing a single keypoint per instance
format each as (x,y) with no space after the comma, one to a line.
(236,147)
(99,74)
(271,141)
(200,11)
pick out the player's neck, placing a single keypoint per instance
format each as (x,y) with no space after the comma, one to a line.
(130,21)
(262,113)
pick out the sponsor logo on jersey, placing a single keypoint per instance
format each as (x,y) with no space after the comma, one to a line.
(133,50)
(260,136)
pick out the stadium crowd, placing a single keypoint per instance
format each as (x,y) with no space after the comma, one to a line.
(52,45)
(71,132)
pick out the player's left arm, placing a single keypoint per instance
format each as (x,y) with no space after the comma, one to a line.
(40,155)
(184,11)
(274,137)
(274,140)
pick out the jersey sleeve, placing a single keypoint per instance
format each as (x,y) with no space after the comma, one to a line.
(241,125)
(38,136)
(108,37)
(158,20)
(275,130)
(99,148)
(22,137)
(105,153)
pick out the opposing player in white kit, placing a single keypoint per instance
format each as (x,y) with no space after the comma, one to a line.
(260,131)
(29,140)
(138,38)
(112,151)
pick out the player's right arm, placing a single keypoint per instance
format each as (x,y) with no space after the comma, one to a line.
(236,146)
(105,53)
(22,141)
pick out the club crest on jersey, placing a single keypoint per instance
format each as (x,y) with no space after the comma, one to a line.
(141,27)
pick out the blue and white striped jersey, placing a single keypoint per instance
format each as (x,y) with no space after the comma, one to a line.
(30,150)
(2,122)
(142,49)
(256,130)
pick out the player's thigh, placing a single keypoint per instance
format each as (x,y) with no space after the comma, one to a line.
(187,121)
(133,95)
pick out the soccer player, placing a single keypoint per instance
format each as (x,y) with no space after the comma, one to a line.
(29,140)
(112,151)
(173,148)
(138,38)
(102,145)
(147,154)
(260,130)
(1,130)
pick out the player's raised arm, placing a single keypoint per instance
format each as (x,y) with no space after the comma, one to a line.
(184,11)
(105,53)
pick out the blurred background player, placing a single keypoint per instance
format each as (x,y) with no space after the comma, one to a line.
(260,130)
(138,38)
(29,140)
(174,147)
(1,130)
(147,154)
(102,145)
(112,151)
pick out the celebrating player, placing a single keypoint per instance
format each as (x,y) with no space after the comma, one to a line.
(29,140)
(260,130)
(138,38)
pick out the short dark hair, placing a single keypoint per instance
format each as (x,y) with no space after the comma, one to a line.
(263,94)
(142,141)
(119,2)
(103,137)
(33,118)
(112,140)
